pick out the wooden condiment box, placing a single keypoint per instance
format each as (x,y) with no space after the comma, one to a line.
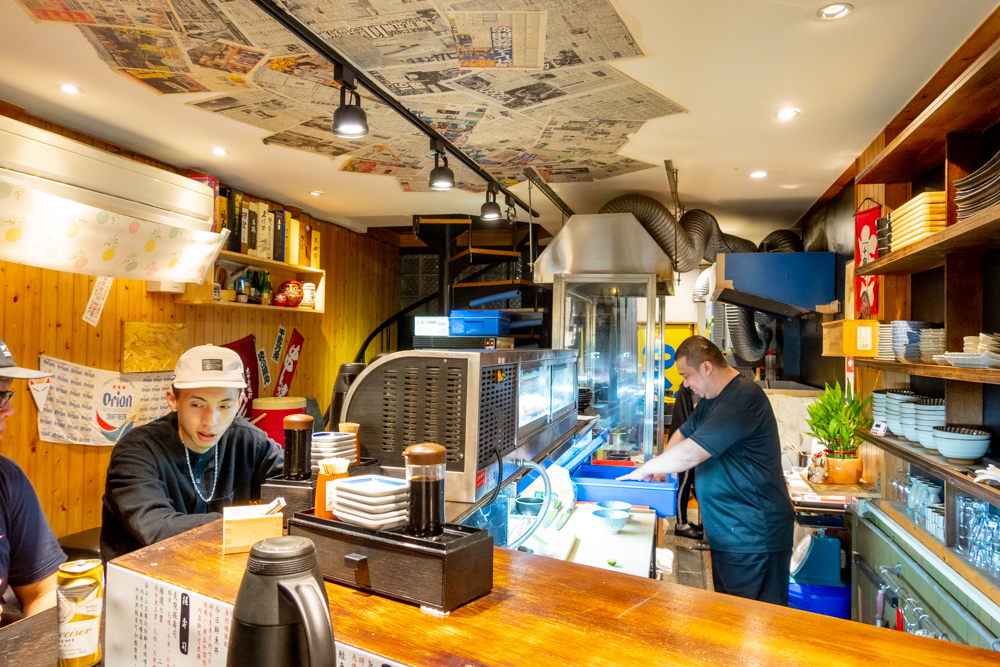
(243,526)
(442,573)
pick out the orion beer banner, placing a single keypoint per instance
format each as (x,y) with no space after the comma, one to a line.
(88,406)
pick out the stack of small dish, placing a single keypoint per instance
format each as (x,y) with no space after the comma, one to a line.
(929,413)
(961,445)
(918,218)
(327,445)
(885,343)
(894,398)
(908,419)
(906,339)
(931,343)
(982,351)
(879,401)
(883,235)
(371,501)
(979,190)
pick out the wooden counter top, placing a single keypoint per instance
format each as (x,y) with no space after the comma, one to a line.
(548,612)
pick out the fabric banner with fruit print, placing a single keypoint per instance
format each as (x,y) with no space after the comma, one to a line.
(42,230)
(89,406)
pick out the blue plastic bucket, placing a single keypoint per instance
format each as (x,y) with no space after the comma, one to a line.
(832,601)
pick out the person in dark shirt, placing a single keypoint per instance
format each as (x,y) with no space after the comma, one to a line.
(178,472)
(732,438)
(29,552)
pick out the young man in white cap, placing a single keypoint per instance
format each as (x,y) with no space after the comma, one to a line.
(29,553)
(178,472)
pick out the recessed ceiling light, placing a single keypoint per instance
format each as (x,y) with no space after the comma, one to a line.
(790,186)
(220,151)
(758,174)
(70,89)
(787,114)
(316,193)
(836,11)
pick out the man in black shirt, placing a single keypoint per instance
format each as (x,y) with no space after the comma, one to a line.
(733,439)
(178,472)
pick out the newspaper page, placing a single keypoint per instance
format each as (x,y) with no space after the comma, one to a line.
(453,123)
(577,31)
(220,82)
(592,134)
(628,101)
(303,90)
(165,83)
(420,36)
(204,21)
(591,169)
(258,108)
(410,80)
(505,133)
(259,29)
(315,136)
(319,14)
(522,90)
(227,57)
(131,48)
(378,160)
(153,14)
(499,40)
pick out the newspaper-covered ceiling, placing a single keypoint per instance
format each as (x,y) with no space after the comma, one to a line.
(514,83)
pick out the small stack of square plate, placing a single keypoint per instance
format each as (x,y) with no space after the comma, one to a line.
(327,445)
(918,218)
(885,343)
(371,501)
(931,343)
(979,190)
(883,234)
(906,339)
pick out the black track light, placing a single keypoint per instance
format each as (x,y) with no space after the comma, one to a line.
(349,121)
(442,178)
(491,209)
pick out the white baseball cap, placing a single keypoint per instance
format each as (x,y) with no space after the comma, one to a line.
(10,369)
(209,366)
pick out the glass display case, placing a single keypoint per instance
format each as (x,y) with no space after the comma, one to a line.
(608,319)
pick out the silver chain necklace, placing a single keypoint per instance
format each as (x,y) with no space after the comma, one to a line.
(187,459)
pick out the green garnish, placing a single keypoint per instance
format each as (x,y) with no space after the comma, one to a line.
(612,563)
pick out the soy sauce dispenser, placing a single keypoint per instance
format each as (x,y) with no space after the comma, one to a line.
(425,469)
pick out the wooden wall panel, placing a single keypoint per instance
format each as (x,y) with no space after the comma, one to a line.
(41,312)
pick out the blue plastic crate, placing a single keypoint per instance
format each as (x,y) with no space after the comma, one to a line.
(479,323)
(595,483)
(827,600)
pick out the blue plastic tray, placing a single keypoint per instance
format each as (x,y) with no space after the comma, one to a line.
(479,323)
(595,483)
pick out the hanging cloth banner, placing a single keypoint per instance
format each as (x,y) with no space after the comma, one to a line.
(89,406)
(289,364)
(39,229)
(246,347)
(866,251)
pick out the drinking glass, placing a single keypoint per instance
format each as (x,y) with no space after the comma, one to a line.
(983,557)
(900,484)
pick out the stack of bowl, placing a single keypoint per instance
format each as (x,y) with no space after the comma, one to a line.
(961,445)
(894,398)
(908,419)
(879,400)
(931,343)
(906,339)
(929,413)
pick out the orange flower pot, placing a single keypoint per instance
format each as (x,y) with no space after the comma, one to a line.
(844,471)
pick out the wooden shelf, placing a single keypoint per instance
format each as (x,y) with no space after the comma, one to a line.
(863,490)
(970,104)
(986,585)
(235,304)
(979,233)
(269,264)
(934,464)
(981,375)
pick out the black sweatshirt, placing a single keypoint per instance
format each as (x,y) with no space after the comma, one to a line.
(149,495)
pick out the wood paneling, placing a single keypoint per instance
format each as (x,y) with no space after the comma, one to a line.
(41,312)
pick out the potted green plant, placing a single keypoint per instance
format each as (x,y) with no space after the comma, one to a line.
(833,419)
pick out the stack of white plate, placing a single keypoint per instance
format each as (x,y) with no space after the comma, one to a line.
(371,501)
(908,419)
(989,343)
(879,400)
(931,343)
(326,445)
(906,339)
(970,359)
(929,413)
(892,412)
(961,445)
(970,344)
(885,343)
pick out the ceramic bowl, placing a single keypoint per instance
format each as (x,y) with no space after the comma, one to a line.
(529,506)
(611,520)
(962,450)
(961,433)
(895,426)
(926,439)
(614,505)
(910,432)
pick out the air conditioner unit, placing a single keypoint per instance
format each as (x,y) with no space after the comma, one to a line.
(47,162)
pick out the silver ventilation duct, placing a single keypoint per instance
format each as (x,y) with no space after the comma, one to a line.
(696,237)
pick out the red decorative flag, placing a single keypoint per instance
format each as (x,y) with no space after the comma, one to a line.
(289,363)
(247,349)
(866,251)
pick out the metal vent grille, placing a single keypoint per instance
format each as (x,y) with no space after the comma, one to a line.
(497,420)
(412,411)
(390,388)
(454,402)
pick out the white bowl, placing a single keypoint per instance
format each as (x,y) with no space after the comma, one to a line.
(910,432)
(961,433)
(611,520)
(614,505)
(962,450)
(895,426)
(926,439)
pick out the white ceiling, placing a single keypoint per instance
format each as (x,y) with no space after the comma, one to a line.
(731,63)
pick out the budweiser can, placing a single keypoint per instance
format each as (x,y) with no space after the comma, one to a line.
(80,596)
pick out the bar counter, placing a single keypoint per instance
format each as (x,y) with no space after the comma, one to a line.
(547,612)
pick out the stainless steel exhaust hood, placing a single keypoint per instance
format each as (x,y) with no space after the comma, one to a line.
(607,243)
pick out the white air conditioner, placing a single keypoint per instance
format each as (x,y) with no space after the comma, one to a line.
(53,164)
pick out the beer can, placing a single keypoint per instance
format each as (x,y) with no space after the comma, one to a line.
(80,598)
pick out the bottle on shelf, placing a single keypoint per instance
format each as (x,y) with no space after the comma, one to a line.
(265,290)
(255,287)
